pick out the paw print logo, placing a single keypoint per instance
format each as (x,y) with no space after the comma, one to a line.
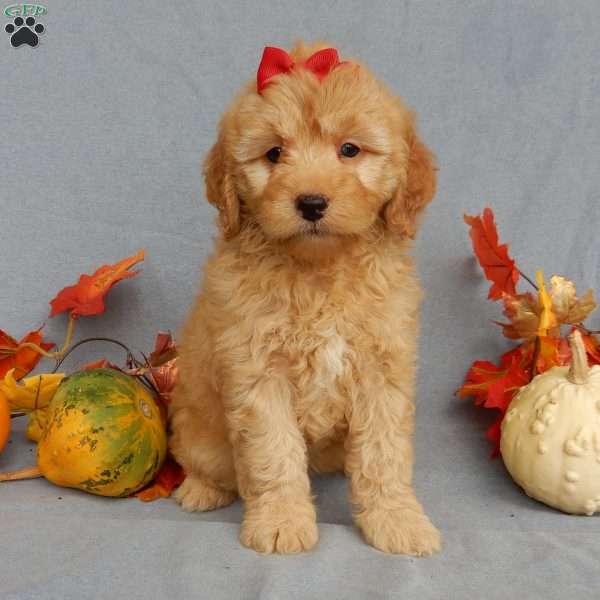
(24,31)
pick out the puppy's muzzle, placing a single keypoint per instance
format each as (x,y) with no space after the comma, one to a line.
(312,207)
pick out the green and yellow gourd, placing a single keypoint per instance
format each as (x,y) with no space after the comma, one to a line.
(104,434)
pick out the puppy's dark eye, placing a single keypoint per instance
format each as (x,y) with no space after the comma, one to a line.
(274,153)
(349,150)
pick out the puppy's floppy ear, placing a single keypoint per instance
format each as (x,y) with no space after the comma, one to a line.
(402,211)
(220,190)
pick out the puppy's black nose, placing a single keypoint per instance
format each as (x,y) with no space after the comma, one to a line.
(311,206)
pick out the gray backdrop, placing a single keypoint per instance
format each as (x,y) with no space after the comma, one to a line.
(103,128)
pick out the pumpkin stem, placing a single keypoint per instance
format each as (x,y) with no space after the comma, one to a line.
(579,371)
(27,473)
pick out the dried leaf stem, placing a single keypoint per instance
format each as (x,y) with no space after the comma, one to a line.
(528,279)
(56,354)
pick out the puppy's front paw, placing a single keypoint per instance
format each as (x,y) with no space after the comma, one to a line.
(282,528)
(399,531)
(196,494)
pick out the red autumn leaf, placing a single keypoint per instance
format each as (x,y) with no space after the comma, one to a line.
(170,476)
(592,347)
(522,354)
(564,352)
(161,367)
(492,386)
(164,348)
(159,370)
(87,296)
(163,361)
(478,380)
(493,433)
(497,265)
(495,386)
(24,360)
(101,363)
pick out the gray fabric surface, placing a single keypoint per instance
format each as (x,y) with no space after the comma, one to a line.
(103,128)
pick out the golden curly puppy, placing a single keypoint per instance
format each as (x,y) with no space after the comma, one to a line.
(299,353)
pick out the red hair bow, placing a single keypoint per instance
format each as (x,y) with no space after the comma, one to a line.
(276,61)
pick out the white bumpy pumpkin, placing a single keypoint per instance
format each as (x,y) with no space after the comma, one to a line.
(550,440)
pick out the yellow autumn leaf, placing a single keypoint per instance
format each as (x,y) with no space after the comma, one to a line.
(548,319)
(567,307)
(30,393)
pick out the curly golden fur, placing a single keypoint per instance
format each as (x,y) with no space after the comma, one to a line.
(299,352)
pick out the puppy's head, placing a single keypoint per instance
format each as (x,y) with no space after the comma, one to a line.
(317,161)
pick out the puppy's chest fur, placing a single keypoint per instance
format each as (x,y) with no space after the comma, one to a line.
(318,344)
(315,327)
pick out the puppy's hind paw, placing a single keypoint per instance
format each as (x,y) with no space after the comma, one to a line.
(197,494)
(399,531)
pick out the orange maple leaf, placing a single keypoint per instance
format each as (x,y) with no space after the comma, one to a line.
(497,265)
(25,359)
(87,296)
(170,476)
(550,354)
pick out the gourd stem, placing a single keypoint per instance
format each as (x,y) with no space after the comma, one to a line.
(579,370)
(27,473)
(130,359)
(93,339)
